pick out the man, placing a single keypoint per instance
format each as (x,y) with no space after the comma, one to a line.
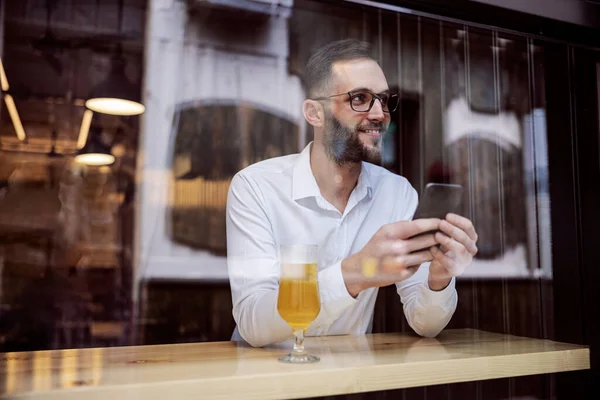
(334,195)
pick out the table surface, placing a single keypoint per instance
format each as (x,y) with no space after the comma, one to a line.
(229,370)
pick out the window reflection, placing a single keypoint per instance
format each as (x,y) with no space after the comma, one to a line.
(134,252)
(214,140)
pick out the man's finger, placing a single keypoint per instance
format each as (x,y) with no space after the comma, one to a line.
(441,258)
(394,264)
(420,242)
(459,235)
(407,229)
(399,247)
(458,249)
(463,223)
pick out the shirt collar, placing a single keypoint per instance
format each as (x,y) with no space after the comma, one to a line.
(363,186)
(305,185)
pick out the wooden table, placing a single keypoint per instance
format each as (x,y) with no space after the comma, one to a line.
(226,370)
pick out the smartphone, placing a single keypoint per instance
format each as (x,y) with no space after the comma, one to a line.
(439,199)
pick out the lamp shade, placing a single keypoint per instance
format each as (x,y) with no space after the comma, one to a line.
(94,153)
(116,95)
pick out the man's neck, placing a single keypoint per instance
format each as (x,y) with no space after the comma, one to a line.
(335,182)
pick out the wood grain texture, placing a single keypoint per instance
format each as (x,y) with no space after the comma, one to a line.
(227,370)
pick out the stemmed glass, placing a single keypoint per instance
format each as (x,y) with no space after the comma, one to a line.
(298,302)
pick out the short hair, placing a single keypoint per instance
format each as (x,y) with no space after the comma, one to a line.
(318,68)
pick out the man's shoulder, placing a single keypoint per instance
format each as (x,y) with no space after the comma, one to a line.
(388,185)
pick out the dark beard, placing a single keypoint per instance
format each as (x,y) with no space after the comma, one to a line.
(343,146)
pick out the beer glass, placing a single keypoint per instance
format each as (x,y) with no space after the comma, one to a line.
(298,302)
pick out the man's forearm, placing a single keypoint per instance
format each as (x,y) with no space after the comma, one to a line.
(350,273)
(258,321)
(427,311)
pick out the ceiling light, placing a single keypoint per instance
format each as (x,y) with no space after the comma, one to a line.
(84,129)
(95,159)
(14,116)
(117,95)
(115,106)
(3,78)
(10,104)
(94,153)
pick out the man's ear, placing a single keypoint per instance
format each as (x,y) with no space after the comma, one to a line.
(313,113)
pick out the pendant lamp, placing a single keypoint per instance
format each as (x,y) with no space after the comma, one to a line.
(94,152)
(116,95)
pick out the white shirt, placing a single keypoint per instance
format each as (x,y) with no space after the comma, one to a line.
(278,201)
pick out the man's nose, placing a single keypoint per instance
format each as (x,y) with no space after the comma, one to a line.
(376,113)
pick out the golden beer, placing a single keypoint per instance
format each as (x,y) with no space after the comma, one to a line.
(298,302)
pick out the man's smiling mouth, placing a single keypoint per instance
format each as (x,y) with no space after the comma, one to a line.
(371,132)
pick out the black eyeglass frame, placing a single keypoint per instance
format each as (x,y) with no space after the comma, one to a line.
(375,97)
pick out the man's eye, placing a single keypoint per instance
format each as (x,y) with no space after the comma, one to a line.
(359,98)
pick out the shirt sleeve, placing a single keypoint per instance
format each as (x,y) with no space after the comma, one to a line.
(253,266)
(427,311)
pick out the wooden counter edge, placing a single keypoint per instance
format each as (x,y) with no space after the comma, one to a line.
(335,381)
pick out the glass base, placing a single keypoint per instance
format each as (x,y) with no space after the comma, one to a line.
(299,359)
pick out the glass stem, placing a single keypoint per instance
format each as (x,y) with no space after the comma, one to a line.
(299,343)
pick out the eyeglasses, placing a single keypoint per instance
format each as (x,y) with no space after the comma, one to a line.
(363,100)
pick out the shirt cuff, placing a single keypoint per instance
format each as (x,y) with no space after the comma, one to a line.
(332,289)
(431,297)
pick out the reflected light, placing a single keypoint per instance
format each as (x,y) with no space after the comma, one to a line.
(42,371)
(3,78)
(84,129)
(10,374)
(503,42)
(97,357)
(95,159)
(114,106)
(68,368)
(14,116)
(201,193)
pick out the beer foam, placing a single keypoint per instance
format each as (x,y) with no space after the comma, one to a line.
(298,254)
(293,271)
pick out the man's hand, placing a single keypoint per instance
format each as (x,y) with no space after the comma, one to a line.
(458,247)
(392,255)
